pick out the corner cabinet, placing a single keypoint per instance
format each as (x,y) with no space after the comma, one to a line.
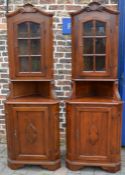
(95,108)
(31,110)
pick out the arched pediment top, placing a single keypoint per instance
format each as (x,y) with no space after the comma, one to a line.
(94,6)
(29,8)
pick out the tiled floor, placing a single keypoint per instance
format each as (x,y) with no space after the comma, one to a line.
(36,170)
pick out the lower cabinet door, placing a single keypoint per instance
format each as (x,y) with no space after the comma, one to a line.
(93,133)
(31,133)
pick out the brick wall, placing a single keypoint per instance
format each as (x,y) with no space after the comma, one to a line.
(62,50)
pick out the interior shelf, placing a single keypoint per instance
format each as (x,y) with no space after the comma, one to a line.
(30,90)
(95,91)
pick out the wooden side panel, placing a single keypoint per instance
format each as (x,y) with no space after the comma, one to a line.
(31,132)
(55,134)
(70,132)
(115,131)
(9,131)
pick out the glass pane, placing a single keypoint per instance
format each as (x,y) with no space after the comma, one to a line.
(100,28)
(88,28)
(34,29)
(24,64)
(100,63)
(23,47)
(88,63)
(100,45)
(35,47)
(23,30)
(88,46)
(36,65)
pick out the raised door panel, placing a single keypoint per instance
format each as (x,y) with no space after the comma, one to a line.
(31,132)
(93,133)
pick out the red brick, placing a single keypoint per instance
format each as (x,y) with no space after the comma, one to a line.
(47,1)
(3,26)
(82,1)
(65,1)
(56,7)
(72,7)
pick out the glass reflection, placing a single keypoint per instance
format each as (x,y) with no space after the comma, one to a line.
(23,46)
(100,63)
(34,29)
(88,63)
(24,64)
(23,30)
(100,45)
(88,46)
(36,64)
(88,28)
(35,47)
(100,28)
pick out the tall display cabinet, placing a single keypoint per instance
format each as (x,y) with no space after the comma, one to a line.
(94,110)
(31,111)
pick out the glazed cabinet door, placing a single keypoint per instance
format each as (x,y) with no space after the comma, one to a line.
(93,133)
(29,48)
(95,47)
(94,44)
(30,44)
(30,132)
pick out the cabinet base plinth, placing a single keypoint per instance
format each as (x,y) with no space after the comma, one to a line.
(15,166)
(50,165)
(75,166)
(112,169)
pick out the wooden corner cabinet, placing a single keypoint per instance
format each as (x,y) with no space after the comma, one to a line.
(31,110)
(94,109)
